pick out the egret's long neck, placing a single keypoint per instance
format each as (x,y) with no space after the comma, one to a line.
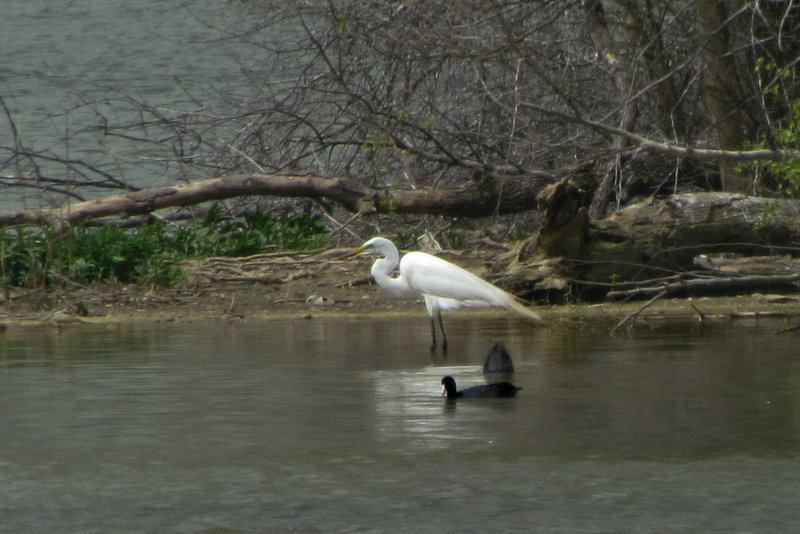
(382,273)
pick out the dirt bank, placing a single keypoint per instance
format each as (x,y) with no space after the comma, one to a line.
(307,285)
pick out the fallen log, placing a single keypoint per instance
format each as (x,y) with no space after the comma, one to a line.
(653,239)
(738,264)
(706,285)
(477,198)
(663,236)
(145,201)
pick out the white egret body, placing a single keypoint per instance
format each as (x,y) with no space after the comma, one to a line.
(443,285)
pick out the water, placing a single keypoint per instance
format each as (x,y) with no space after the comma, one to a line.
(70,66)
(336,425)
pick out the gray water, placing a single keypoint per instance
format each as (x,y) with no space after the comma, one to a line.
(336,425)
(71,65)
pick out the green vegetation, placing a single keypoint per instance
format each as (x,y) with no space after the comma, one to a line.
(788,135)
(785,173)
(784,132)
(148,254)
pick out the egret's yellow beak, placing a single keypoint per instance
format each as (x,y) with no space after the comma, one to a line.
(356,252)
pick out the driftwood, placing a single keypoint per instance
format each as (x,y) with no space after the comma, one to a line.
(270,268)
(708,285)
(479,198)
(665,235)
(653,246)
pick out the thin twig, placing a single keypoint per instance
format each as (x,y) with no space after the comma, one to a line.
(245,156)
(701,314)
(794,328)
(633,316)
(344,225)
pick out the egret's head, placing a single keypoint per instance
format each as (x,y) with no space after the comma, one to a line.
(376,245)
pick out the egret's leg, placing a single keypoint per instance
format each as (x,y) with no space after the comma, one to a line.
(441,325)
(433,334)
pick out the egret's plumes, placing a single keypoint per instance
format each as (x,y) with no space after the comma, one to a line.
(443,285)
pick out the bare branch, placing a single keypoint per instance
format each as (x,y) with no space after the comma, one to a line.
(645,143)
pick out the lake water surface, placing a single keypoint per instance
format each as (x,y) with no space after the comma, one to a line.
(337,425)
(71,67)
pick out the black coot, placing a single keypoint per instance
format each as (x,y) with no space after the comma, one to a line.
(499,389)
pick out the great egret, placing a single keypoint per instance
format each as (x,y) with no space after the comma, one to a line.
(500,389)
(443,285)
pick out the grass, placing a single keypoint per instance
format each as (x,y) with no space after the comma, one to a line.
(149,254)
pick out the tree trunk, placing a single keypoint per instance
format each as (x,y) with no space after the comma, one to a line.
(614,56)
(725,95)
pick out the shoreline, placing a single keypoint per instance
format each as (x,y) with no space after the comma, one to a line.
(117,304)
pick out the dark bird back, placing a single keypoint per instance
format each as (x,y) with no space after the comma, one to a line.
(499,389)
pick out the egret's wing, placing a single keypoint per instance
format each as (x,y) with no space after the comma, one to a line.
(452,304)
(453,286)
(434,276)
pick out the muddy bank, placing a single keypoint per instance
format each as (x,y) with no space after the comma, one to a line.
(255,302)
(311,285)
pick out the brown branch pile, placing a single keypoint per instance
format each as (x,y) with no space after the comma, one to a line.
(278,268)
